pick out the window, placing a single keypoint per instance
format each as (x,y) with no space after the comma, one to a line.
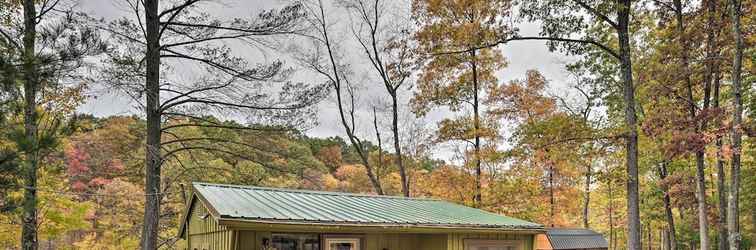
(492,245)
(295,241)
(342,244)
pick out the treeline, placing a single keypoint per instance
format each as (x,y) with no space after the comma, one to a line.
(91,190)
(650,142)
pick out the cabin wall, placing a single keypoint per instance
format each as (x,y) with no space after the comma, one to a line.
(204,233)
(251,240)
(378,241)
(456,241)
(433,241)
(542,242)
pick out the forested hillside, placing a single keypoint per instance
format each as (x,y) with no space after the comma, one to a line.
(648,138)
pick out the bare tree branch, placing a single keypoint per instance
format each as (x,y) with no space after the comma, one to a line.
(44,8)
(557,39)
(256,32)
(10,39)
(188,93)
(596,13)
(174,11)
(225,68)
(195,41)
(228,152)
(165,128)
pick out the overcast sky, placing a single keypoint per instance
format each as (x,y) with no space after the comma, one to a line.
(522,56)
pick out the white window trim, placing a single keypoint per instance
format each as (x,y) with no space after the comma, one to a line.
(355,241)
(470,243)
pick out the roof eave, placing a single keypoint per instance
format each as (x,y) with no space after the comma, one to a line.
(266,223)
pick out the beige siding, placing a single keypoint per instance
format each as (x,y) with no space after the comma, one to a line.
(250,240)
(456,241)
(405,241)
(432,241)
(205,233)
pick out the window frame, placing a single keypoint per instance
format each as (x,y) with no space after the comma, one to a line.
(359,237)
(317,235)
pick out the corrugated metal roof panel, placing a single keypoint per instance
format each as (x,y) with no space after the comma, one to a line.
(578,238)
(259,203)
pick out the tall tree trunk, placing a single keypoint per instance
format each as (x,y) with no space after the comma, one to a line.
(552,201)
(153,159)
(663,241)
(378,137)
(717,78)
(374,180)
(337,88)
(631,145)
(703,223)
(478,198)
(397,145)
(733,224)
(722,195)
(665,244)
(392,85)
(753,222)
(668,208)
(587,192)
(612,238)
(650,237)
(31,129)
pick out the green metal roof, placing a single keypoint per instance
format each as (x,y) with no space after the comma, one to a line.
(274,205)
(576,238)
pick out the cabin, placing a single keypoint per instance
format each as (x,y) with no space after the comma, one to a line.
(571,239)
(232,217)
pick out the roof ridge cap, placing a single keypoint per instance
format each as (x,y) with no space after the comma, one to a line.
(316,192)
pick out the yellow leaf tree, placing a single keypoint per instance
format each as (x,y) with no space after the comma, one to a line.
(458,70)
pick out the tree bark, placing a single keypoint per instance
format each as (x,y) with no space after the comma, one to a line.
(612,242)
(733,225)
(631,145)
(552,201)
(703,223)
(713,68)
(354,141)
(650,237)
(337,85)
(665,244)
(153,157)
(587,192)
(672,238)
(392,86)
(397,145)
(29,238)
(380,141)
(478,198)
(722,193)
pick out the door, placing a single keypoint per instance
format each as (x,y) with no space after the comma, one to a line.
(342,244)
